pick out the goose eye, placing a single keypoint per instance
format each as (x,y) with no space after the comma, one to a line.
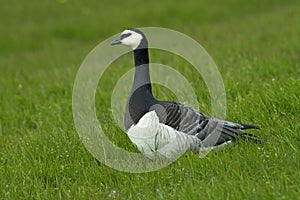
(125,35)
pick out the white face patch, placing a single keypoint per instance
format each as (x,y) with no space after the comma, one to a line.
(133,39)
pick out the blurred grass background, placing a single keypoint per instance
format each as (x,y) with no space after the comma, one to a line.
(42,44)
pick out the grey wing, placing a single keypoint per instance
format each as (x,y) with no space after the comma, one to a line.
(211,131)
(181,117)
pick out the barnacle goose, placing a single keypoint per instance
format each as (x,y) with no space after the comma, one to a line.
(168,128)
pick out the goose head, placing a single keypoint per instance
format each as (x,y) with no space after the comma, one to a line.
(133,38)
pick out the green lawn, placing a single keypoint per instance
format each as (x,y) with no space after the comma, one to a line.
(42,44)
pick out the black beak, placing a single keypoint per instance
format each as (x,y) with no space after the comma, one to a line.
(117,41)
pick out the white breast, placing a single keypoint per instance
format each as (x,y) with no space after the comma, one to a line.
(155,139)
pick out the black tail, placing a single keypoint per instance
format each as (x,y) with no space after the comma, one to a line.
(238,132)
(248,126)
(217,132)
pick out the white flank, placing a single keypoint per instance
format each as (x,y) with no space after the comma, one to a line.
(156,139)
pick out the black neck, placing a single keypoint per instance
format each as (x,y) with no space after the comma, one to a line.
(142,75)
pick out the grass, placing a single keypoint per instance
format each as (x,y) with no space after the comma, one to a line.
(255,45)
